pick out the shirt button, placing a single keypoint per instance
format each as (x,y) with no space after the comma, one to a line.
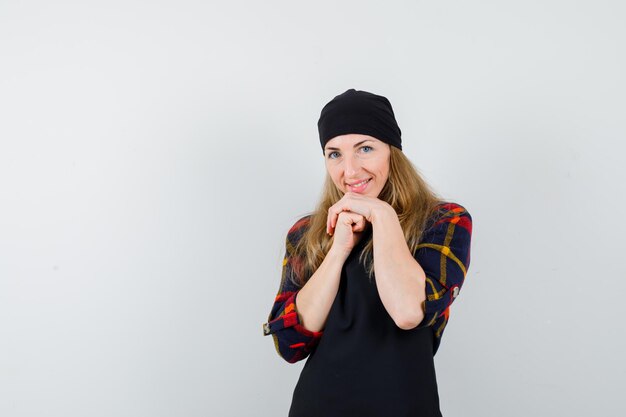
(455,292)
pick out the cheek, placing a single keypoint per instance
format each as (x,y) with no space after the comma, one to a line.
(382,172)
(383,177)
(334,175)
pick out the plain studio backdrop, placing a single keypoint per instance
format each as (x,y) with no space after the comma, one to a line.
(153,156)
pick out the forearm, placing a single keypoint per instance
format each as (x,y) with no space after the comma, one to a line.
(399,277)
(316,297)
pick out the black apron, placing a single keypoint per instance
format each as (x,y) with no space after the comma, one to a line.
(365,365)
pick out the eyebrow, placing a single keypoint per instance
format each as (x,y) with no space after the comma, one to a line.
(357,144)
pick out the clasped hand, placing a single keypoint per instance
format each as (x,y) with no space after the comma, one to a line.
(347,218)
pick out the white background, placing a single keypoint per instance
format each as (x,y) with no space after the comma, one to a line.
(153,155)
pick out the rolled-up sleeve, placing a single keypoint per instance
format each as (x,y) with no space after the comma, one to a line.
(444,254)
(293,342)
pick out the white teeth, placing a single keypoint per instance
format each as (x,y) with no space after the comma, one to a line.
(359,184)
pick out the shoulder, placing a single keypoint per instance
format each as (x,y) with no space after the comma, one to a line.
(298,229)
(447,212)
(453,209)
(301,224)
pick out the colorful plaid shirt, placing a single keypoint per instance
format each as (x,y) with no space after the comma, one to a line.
(443,253)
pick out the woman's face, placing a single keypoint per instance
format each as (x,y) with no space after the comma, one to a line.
(353,158)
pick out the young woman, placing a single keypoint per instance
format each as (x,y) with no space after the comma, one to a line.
(368,278)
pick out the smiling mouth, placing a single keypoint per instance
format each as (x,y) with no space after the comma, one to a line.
(359,187)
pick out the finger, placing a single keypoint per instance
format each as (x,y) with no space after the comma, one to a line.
(327,224)
(361,224)
(328,230)
(334,219)
(329,218)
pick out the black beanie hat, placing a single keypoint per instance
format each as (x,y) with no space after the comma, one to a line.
(357,111)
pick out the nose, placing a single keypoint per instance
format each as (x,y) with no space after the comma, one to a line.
(352,166)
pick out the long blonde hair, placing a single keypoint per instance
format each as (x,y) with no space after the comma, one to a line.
(405,190)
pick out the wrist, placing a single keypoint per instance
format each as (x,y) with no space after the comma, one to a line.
(381,211)
(337,254)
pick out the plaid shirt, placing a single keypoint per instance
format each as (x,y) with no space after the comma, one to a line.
(443,253)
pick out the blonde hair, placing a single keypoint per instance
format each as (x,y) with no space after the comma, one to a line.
(405,190)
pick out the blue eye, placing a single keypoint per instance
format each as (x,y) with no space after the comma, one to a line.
(330,155)
(366,146)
